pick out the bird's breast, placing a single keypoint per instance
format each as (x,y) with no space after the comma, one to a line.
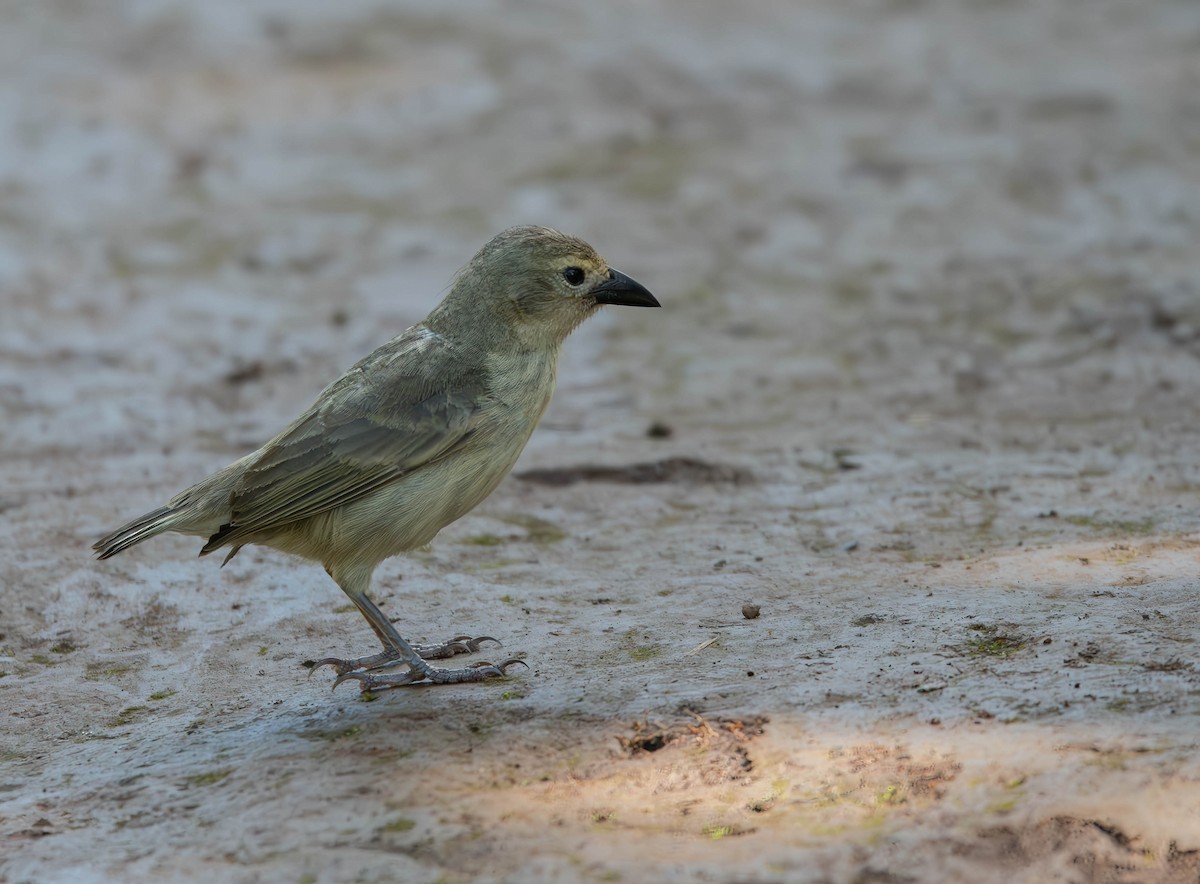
(521,384)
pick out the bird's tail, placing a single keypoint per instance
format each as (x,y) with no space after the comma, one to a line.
(152,523)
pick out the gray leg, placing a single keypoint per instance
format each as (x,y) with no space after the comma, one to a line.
(397,652)
(460,644)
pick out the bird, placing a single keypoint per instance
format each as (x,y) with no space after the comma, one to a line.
(409,439)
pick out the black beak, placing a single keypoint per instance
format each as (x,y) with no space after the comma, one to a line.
(620,289)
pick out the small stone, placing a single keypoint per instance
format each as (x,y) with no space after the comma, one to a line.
(750,611)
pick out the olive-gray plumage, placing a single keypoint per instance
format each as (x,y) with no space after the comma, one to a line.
(409,439)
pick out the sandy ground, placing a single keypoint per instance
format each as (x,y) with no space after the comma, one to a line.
(924,391)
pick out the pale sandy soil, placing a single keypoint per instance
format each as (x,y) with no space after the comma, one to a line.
(931,330)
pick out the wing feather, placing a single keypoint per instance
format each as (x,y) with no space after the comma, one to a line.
(366,430)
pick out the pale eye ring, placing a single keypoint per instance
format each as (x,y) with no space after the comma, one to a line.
(574,275)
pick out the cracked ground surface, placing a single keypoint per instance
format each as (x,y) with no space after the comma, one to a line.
(923,393)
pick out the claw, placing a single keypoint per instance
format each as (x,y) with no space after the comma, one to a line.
(481,671)
(341,666)
(470,645)
(460,644)
(475,672)
(370,682)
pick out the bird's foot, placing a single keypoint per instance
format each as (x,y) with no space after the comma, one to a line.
(382,660)
(480,671)
(460,644)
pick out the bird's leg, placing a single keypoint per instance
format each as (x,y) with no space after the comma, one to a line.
(460,644)
(398,652)
(480,671)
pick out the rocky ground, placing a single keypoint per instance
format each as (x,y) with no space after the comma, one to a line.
(922,394)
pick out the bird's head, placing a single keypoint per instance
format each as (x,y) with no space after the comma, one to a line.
(540,284)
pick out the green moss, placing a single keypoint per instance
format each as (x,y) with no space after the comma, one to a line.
(402,824)
(66,646)
(657,169)
(893,794)
(162,695)
(333,735)
(995,646)
(209,778)
(497,564)
(1008,802)
(852,290)
(484,540)
(198,250)
(645,652)
(128,716)
(1122,527)
(540,531)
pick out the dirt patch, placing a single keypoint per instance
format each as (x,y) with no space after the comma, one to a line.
(1083,850)
(673,469)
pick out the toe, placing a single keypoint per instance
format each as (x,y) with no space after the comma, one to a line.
(474,643)
(368,682)
(340,666)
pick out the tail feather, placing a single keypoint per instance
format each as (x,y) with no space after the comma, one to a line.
(144,527)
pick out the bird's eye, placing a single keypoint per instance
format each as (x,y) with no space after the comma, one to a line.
(573,275)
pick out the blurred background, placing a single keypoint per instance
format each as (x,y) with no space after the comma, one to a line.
(929,271)
(825,188)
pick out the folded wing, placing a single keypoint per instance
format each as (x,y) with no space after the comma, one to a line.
(369,429)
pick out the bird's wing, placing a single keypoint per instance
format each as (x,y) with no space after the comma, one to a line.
(369,428)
